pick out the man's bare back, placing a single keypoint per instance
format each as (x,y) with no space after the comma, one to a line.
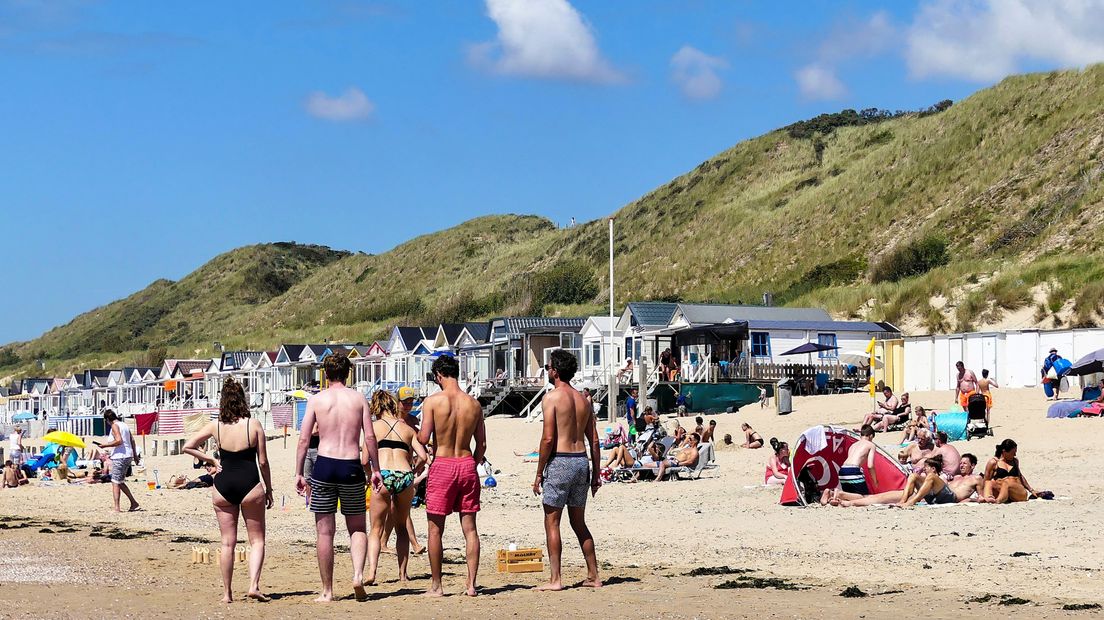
(859,453)
(572,415)
(341,415)
(452,418)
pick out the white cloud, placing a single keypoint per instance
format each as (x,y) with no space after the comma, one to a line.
(987,40)
(846,41)
(542,39)
(817,81)
(352,105)
(695,73)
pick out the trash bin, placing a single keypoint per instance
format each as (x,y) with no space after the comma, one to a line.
(783,395)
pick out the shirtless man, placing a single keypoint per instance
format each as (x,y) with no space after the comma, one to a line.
(565,471)
(450,420)
(951,457)
(966,383)
(964,485)
(984,383)
(14,476)
(710,430)
(915,453)
(686,456)
(852,477)
(883,408)
(341,416)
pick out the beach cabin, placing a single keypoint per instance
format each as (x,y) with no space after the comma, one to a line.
(402,347)
(642,326)
(290,373)
(368,367)
(598,334)
(521,344)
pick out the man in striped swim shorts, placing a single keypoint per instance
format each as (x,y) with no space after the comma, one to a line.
(451,419)
(342,417)
(566,471)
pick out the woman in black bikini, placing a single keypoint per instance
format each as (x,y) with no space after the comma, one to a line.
(401,457)
(1004,482)
(237,484)
(752,437)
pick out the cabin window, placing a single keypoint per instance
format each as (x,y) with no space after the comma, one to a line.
(569,340)
(594,354)
(628,348)
(828,340)
(760,344)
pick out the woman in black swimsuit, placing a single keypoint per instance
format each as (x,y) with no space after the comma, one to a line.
(1004,482)
(752,437)
(237,484)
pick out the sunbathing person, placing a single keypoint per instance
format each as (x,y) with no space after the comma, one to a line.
(622,456)
(950,454)
(929,487)
(883,408)
(920,421)
(964,486)
(687,457)
(915,454)
(206,480)
(1004,482)
(752,439)
(778,465)
(677,432)
(900,414)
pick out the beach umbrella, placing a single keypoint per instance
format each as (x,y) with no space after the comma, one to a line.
(64,439)
(1090,364)
(299,394)
(23,417)
(860,359)
(810,347)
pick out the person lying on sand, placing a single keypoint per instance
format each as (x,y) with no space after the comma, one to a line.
(181,481)
(752,439)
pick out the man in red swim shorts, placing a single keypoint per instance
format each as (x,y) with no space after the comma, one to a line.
(450,419)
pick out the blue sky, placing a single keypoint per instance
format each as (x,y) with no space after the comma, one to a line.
(140,139)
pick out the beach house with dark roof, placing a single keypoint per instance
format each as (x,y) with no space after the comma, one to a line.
(521,344)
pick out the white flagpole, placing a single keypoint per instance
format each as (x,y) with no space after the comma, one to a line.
(611,409)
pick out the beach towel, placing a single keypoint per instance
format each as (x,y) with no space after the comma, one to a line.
(815,439)
(282,416)
(1094,409)
(1068,409)
(143,423)
(953,423)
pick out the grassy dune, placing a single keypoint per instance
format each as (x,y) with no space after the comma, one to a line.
(1008,180)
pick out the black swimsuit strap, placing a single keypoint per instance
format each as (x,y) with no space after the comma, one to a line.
(391,429)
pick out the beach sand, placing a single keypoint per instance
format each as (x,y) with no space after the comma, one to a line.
(648,537)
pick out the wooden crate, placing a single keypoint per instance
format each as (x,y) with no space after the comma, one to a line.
(521,561)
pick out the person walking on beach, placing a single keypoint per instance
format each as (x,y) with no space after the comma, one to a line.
(341,415)
(123,453)
(565,471)
(15,447)
(450,420)
(966,383)
(398,446)
(237,486)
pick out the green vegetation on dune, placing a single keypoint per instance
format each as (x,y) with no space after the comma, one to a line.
(949,218)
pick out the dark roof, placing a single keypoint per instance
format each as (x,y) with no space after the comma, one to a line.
(652,313)
(187,367)
(452,331)
(293,350)
(318,349)
(410,336)
(234,360)
(479,331)
(531,324)
(711,314)
(823,326)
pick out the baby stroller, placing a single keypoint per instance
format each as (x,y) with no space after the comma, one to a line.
(975,417)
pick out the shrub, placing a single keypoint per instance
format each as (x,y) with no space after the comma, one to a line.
(911,259)
(567,282)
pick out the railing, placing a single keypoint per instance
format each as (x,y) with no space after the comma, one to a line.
(528,411)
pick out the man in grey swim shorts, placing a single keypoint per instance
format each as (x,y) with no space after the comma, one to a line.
(566,471)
